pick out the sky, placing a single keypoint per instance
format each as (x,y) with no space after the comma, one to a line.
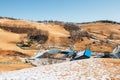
(61,10)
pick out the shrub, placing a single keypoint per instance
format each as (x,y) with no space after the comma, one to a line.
(71,27)
(38,35)
(17,29)
(8,18)
(32,33)
(101,21)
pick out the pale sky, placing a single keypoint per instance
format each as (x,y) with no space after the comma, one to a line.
(61,10)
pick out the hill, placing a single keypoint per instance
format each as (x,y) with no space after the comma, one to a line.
(99,36)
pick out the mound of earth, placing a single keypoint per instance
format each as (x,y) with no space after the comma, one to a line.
(89,69)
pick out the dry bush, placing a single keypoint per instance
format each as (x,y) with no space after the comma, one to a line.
(101,21)
(7,18)
(13,53)
(107,21)
(17,29)
(32,33)
(71,27)
(38,35)
(77,35)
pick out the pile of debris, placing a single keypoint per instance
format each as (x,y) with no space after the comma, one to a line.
(45,57)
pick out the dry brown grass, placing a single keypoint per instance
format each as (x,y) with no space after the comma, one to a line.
(10,60)
(9,55)
(13,30)
(102,31)
(8,42)
(56,35)
(11,67)
(102,28)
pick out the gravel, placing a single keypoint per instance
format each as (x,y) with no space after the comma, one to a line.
(87,69)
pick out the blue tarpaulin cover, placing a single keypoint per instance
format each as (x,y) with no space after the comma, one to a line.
(70,52)
(53,51)
(87,53)
(82,55)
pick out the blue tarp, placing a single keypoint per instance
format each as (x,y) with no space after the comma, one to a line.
(53,51)
(88,53)
(82,55)
(70,52)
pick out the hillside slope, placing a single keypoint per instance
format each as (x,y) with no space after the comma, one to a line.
(13,31)
(106,36)
(59,36)
(99,36)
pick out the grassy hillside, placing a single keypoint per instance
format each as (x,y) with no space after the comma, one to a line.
(98,36)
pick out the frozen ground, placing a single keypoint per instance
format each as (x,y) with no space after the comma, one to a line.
(87,69)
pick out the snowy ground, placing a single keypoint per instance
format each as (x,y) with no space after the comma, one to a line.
(87,69)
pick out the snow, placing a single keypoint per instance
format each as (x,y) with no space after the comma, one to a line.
(87,69)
